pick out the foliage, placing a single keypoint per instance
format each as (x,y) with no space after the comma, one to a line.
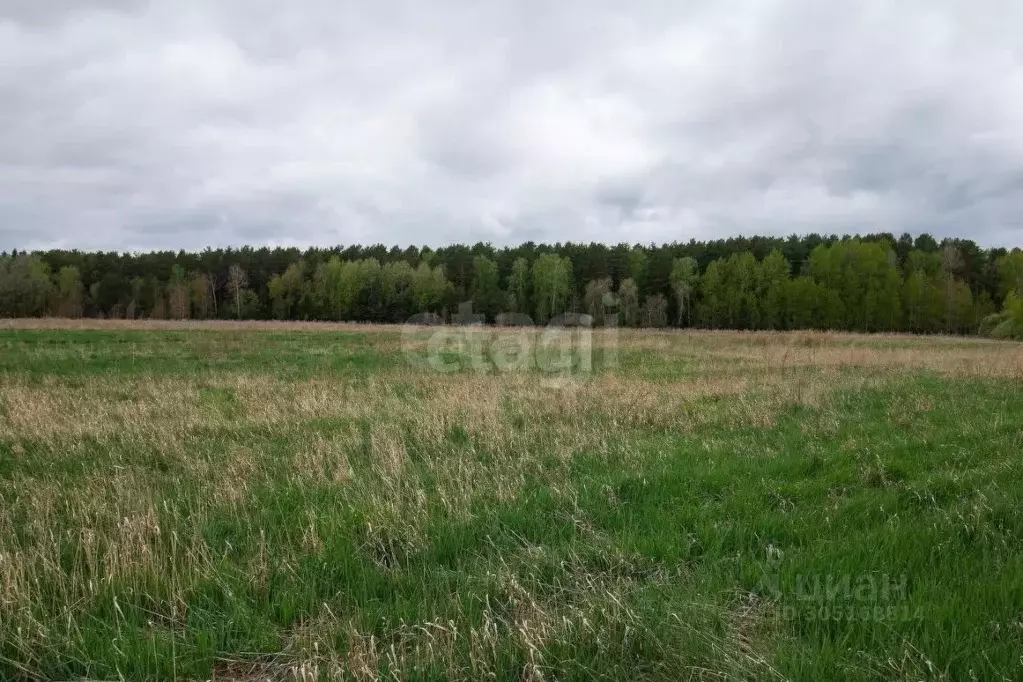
(1008,324)
(874,283)
(552,286)
(287,291)
(487,296)
(69,298)
(596,299)
(25,286)
(628,302)
(685,277)
(519,287)
(1010,272)
(655,311)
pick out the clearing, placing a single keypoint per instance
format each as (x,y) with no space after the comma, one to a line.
(302,502)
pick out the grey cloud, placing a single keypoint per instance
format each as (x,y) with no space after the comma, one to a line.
(181,124)
(35,14)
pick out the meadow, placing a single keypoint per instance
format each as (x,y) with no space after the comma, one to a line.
(305,502)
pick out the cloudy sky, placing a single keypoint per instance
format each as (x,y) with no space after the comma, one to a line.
(131,125)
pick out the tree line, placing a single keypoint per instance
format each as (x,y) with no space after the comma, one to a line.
(872,283)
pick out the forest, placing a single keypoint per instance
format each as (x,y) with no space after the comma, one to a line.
(874,283)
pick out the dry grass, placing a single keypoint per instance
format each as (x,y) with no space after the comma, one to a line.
(213,325)
(120,477)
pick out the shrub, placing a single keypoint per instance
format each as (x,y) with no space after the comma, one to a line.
(1009,322)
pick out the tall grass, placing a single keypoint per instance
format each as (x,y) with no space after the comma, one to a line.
(302,503)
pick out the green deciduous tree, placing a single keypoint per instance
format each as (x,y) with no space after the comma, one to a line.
(922,300)
(774,278)
(639,268)
(519,287)
(628,302)
(429,288)
(396,291)
(178,307)
(685,278)
(713,309)
(598,292)
(69,298)
(330,294)
(960,317)
(862,284)
(287,290)
(1010,273)
(552,286)
(1008,324)
(803,301)
(204,306)
(486,288)
(869,283)
(25,286)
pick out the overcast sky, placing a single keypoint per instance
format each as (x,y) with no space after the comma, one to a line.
(131,125)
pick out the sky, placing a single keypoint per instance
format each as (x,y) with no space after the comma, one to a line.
(166,124)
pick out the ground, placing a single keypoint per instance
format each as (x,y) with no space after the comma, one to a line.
(309,501)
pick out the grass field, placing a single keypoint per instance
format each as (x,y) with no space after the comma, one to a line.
(302,502)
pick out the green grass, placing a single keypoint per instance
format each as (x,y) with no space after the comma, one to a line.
(306,505)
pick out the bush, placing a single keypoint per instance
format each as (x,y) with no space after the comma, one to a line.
(990,323)
(1007,324)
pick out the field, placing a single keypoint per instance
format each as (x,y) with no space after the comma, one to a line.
(304,502)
